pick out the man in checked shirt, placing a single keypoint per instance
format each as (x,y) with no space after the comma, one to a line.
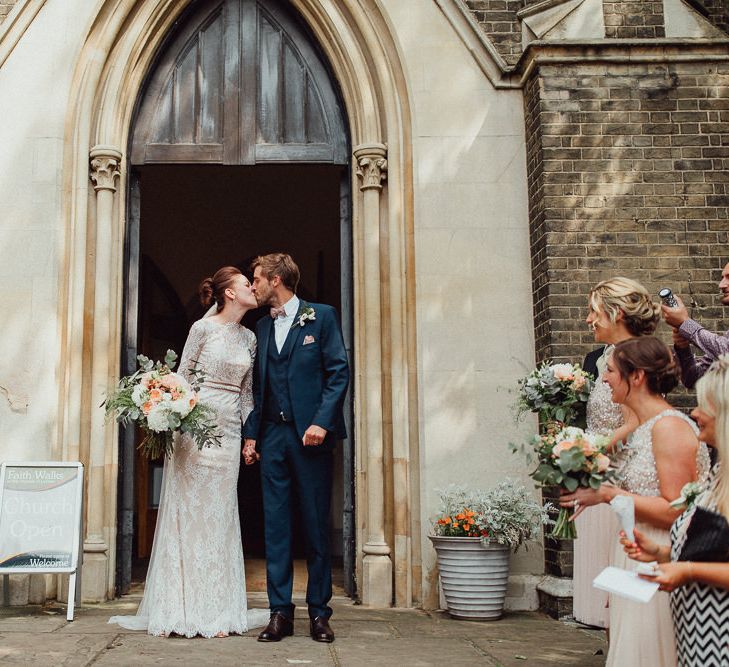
(687,331)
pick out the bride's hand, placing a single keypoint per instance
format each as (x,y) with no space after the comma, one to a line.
(250,455)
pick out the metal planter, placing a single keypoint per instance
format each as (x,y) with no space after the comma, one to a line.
(474,576)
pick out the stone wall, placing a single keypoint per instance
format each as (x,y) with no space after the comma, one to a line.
(627,176)
(5,7)
(631,19)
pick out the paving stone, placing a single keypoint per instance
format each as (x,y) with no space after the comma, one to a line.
(243,651)
(410,652)
(31,625)
(21,648)
(397,637)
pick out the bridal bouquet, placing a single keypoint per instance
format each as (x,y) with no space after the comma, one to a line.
(555,391)
(570,458)
(163,403)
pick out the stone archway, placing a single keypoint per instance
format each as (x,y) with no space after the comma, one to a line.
(113,63)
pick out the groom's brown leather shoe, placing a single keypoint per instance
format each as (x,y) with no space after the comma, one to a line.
(278,627)
(320,630)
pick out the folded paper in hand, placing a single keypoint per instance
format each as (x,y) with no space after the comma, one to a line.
(625,584)
(624,507)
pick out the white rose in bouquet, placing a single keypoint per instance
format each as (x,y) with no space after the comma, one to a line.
(157,419)
(163,403)
(139,395)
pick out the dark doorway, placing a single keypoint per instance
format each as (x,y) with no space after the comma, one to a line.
(239,147)
(195,219)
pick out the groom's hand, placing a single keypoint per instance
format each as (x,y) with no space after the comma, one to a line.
(314,436)
(250,455)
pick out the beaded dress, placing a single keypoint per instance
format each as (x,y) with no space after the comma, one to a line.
(196,581)
(642,634)
(597,525)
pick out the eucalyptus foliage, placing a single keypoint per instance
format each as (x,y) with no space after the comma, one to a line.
(174,409)
(506,514)
(557,392)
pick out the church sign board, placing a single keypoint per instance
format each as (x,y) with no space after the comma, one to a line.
(40,519)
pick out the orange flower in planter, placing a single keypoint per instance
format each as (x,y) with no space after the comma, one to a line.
(469,513)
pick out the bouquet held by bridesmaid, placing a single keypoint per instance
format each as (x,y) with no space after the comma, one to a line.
(557,392)
(569,459)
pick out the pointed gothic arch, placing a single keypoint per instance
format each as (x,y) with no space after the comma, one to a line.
(356,40)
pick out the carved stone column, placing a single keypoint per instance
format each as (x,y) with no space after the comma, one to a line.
(105,161)
(371,165)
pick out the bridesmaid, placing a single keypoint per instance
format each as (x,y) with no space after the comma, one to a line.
(699,590)
(663,455)
(619,309)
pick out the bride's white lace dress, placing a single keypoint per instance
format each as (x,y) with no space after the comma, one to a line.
(196,580)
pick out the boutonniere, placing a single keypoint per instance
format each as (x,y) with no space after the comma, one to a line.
(689,495)
(306,314)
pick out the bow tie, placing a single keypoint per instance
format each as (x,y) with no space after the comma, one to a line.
(278,312)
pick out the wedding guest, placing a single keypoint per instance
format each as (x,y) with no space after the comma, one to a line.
(663,454)
(699,590)
(687,331)
(619,309)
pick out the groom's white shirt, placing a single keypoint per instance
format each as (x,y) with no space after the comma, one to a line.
(281,324)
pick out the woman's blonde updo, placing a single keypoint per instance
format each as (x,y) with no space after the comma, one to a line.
(640,313)
(212,290)
(712,394)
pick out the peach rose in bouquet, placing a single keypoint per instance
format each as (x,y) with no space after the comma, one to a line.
(163,403)
(570,458)
(557,392)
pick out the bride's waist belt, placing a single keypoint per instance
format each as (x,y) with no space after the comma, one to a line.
(225,386)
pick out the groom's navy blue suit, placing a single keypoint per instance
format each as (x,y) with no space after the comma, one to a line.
(304,384)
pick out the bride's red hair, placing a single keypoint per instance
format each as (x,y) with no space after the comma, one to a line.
(212,289)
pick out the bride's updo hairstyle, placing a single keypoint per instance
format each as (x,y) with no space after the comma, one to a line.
(640,314)
(650,355)
(212,290)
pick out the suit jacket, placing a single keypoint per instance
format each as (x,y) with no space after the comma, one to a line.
(590,363)
(317,374)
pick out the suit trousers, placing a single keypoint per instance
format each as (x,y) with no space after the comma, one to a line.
(292,472)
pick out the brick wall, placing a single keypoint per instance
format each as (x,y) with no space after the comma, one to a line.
(499,22)
(630,19)
(717,11)
(628,175)
(5,7)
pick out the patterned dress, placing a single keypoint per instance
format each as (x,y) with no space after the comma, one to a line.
(642,634)
(700,612)
(196,581)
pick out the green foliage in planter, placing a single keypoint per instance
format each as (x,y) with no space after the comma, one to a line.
(506,514)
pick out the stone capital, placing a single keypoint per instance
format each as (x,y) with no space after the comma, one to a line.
(371,160)
(105,161)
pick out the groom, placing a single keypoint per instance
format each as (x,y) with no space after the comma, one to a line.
(300,379)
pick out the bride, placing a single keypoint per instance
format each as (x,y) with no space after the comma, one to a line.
(196,579)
